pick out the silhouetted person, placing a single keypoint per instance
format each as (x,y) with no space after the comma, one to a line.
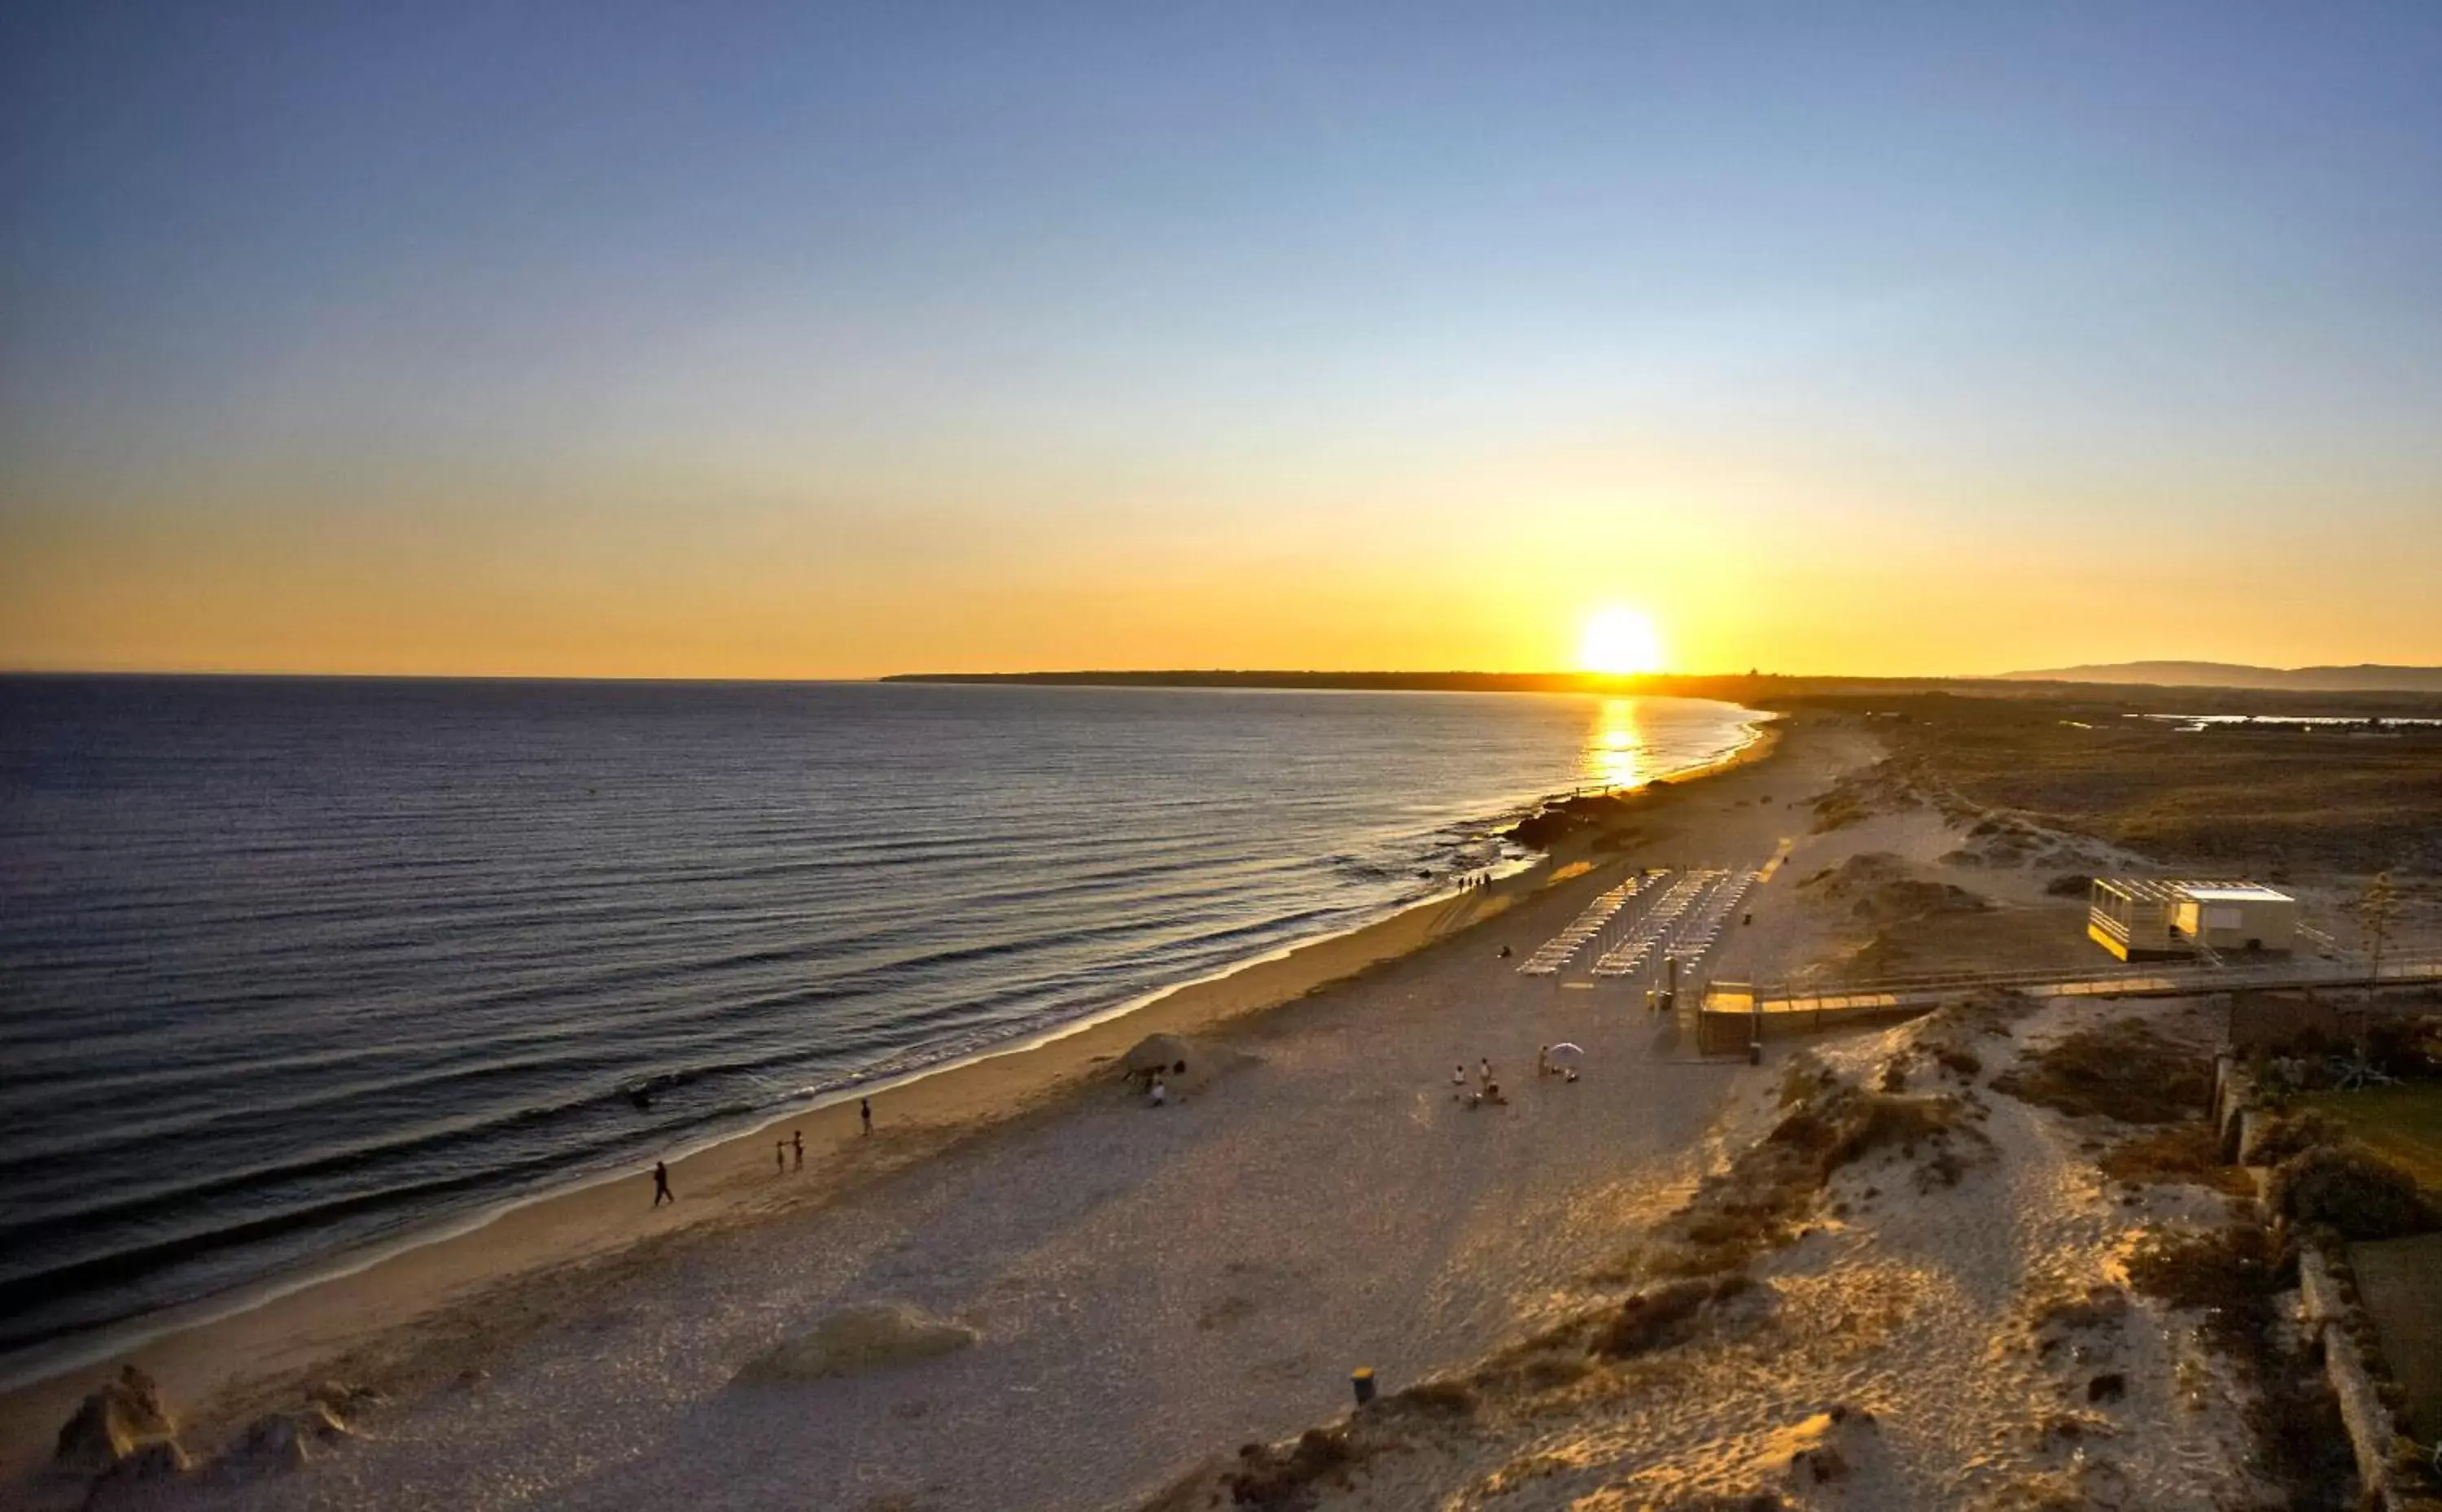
(865,1111)
(797,1142)
(661,1184)
(779,1156)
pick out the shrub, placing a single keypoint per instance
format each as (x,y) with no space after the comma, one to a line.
(2351,1188)
(2228,1272)
(2074,885)
(1875,1122)
(1278,1482)
(1454,1397)
(1659,1317)
(2122,1070)
(2297,1133)
(2187,1152)
(1552,1372)
(2407,1047)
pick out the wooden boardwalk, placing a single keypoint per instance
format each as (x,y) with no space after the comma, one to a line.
(1735,1014)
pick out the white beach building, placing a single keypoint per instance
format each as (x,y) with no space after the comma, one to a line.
(2135,917)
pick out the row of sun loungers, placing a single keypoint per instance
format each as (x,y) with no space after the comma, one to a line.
(1630,954)
(1703,931)
(1560,949)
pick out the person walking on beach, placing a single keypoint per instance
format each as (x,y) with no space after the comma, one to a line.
(865,1112)
(797,1142)
(779,1156)
(1458,1076)
(661,1184)
(1488,1070)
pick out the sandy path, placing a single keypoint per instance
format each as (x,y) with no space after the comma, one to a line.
(1150,1284)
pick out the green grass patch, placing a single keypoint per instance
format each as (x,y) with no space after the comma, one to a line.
(2404,1124)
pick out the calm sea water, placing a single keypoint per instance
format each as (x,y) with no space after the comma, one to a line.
(290,967)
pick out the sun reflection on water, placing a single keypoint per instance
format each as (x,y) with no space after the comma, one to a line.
(1615,746)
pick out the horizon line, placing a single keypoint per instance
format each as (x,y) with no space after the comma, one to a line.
(291,675)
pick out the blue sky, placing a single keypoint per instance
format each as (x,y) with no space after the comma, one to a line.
(994,302)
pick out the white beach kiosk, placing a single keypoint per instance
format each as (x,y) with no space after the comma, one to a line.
(2138,917)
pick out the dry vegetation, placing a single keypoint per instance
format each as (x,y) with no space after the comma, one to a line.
(1692,1282)
(2351,1190)
(2189,1152)
(1764,1197)
(2266,799)
(2232,1279)
(2125,1070)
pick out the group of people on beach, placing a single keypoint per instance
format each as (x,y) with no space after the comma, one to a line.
(780,1148)
(1486,1091)
(784,1151)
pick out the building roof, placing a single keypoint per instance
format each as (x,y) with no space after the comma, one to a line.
(2244,892)
(2141,889)
(2171,889)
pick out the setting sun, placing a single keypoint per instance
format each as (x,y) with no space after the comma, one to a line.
(1620,640)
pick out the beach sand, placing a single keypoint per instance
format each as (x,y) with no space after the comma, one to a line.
(1146,1285)
(1928,1344)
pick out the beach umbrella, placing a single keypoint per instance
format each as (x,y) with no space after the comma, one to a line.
(1565,1054)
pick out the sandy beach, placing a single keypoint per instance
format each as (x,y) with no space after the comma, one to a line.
(1349,1079)
(1131,1294)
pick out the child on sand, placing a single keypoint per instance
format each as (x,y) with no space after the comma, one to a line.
(1160,1092)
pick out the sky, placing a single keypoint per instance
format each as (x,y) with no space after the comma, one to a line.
(799,340)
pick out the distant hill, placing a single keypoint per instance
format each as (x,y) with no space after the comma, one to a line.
(2368,679)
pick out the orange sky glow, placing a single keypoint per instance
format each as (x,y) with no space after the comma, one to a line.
(824,344)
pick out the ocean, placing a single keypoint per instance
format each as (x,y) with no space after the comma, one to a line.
(293,967)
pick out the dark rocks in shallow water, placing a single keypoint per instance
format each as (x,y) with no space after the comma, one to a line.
(125,1416)
(1566,816)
